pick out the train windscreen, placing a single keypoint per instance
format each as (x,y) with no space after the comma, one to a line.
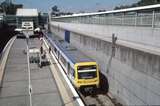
(87,72)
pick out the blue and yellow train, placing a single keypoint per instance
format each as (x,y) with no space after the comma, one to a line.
(81,70)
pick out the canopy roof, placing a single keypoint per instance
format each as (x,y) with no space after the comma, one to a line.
(27,12)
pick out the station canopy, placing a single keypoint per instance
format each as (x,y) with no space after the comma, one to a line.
(27,13)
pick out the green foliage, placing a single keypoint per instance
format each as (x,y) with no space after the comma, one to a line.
(57,12)
(140,3)
(55,8)
(147,2)
(9,8)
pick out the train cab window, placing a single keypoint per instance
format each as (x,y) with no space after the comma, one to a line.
(87,72)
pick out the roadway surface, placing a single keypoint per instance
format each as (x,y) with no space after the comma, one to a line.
(14,89)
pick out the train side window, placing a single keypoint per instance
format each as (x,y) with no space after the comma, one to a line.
(68,65)
(72,72)
(55,50)
(63,60)
(58,54)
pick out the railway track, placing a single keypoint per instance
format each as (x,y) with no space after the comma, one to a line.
(100,98)
(96,99)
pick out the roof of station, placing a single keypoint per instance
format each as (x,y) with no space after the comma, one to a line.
(27,12)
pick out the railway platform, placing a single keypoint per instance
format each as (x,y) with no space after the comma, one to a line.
(14,89)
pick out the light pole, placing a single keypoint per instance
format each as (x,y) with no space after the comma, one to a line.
(113,50)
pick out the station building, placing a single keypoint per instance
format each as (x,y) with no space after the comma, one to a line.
(27,15)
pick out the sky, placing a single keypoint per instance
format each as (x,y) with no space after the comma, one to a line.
(73,5)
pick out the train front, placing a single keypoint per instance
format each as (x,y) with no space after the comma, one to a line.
(87,75)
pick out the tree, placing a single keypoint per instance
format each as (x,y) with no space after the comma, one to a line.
(55,11)
(10,8)
(139,3)
(102,10)
(55,8)
(147,2)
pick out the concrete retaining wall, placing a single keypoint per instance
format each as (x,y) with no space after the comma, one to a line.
(133,75)
(141,35)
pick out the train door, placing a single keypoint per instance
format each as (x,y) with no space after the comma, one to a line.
(67,36)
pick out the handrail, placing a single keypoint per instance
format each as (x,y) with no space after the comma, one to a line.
(112,11)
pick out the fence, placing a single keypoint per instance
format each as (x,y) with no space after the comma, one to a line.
(142,16)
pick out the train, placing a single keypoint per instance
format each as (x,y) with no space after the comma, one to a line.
(82,71)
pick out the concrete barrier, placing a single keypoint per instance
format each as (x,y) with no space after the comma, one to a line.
(4,57)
